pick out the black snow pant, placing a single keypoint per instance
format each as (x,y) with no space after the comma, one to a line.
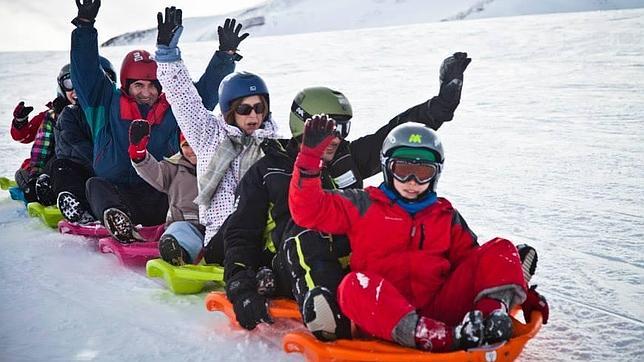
(213,252)
(27,182)
(144,204)
(67,175)
(311,259)
(315,264)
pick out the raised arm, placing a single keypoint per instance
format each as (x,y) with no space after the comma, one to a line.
(93,88)
(190,103)
(433,113)
(311,206)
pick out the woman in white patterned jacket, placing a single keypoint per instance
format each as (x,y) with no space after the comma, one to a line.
(226,144)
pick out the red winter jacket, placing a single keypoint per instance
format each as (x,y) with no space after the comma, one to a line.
(414,253)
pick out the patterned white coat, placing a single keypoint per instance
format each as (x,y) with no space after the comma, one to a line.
(204,132)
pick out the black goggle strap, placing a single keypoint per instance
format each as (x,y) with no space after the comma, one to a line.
(342,123)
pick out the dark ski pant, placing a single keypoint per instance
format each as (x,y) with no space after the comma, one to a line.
(67,175)
(309,259)
(144,204)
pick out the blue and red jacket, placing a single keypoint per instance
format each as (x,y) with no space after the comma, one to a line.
(109,111)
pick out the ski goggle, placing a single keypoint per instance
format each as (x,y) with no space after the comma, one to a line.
(421,172)
(66,83)
(342,122)
(245,109)
(343,127)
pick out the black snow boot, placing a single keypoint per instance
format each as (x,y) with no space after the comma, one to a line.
(470,333)
(498,327)
(120,226)
(44,192)
(72,209)
(322,316)
(529,260)
(171,252)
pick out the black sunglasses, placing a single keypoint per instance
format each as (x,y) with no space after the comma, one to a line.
(245,109)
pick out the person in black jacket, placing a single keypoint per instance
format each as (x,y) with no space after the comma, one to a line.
(260,233)
(74,157)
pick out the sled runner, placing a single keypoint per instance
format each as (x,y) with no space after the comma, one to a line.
(149,233)
(6,183)
(378,350)
(185,279)
(134,254)
(50,215)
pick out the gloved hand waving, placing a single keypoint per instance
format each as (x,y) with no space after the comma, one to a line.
(319,131)
(21,114)
(87,11)
(139,134)
(229,37)
(169,31)
(451,77)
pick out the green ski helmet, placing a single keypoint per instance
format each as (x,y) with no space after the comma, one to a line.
(412,142)
(317,100)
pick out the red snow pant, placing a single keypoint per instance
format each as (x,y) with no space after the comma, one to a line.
(376,306)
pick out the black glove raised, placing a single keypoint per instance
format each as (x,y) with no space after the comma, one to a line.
(166,29)
(139,128)
(451,77)
(319,131)
(87,11)
(20,114)
(229,37)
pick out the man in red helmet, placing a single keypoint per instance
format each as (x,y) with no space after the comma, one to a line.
(117,195)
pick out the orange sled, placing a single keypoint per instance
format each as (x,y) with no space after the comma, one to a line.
(378,350)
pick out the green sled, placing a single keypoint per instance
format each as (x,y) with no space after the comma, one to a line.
(185,279)
(50,215)
(6,183)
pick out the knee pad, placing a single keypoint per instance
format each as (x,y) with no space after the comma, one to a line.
(322,316)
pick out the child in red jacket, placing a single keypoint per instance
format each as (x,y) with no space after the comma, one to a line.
(419,277)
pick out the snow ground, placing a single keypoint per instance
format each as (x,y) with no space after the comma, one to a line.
(547,147)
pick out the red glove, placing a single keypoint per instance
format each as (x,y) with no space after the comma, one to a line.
(20,114)
(319,131)
(535,301)
(139,134)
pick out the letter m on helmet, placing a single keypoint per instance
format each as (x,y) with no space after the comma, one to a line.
(415,138)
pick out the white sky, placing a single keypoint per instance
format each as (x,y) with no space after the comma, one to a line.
(45,24)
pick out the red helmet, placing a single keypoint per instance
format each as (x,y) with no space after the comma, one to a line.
(138,65)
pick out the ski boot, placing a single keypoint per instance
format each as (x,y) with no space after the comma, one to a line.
(120,226)
(498,327)
(44,192)
(470,333)
(171,252)
(322,316)
(528,256)
(72,210)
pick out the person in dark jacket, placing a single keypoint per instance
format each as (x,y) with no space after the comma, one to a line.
(74,157)
(115,193)
(39,130)
(308,264)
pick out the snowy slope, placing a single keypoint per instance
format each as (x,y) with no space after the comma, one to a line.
(547,147)
(277,17)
